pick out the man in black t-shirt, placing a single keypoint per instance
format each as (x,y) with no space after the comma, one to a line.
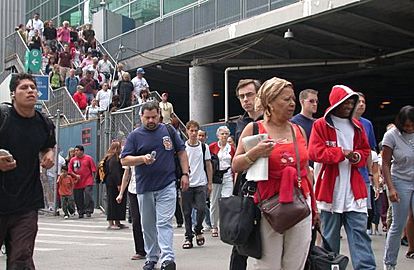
(21,192)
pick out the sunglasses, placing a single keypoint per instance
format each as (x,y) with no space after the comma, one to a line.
(312,101)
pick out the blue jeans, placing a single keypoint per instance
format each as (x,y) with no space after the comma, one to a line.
(359,243)
(157,211)
(405,190)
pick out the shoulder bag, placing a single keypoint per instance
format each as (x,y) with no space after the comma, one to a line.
(283,216)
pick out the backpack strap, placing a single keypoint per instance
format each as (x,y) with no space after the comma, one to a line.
(203,148)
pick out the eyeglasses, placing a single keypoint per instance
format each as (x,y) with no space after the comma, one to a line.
(248,95)
(312,101)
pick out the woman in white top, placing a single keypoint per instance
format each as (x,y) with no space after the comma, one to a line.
(225,153)
(92,111)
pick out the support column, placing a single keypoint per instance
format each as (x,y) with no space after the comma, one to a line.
(201,94)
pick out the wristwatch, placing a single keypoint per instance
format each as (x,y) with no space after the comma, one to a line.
(187,174)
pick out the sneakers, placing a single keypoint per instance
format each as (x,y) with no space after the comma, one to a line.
(149,265)
(168,265)
(88,214)
(66,217)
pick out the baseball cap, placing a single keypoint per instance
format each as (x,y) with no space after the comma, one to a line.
(140,70)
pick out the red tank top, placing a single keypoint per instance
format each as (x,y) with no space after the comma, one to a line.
(283,155)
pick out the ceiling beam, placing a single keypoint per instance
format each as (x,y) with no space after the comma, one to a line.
(382,24)
(339,36)
(312,47)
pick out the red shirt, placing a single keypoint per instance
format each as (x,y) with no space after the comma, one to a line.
(66,184)
(81,100)
(85,167)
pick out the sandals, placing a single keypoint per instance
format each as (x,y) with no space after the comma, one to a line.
(187,244)
(214,232)
(200,240)
(409,255)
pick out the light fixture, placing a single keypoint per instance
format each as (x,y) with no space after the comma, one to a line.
(289,34)
(102,3)
(216,94)
(386,102)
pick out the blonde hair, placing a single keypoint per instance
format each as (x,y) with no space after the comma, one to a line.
(269,90)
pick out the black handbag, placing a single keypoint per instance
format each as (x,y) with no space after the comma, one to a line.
(320,258)
(240,218)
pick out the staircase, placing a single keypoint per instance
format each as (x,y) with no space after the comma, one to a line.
(61,99)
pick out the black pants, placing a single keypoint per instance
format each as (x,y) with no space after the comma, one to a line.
(18,232)
(84,200)
(194,197)
(178,213)
(136,224)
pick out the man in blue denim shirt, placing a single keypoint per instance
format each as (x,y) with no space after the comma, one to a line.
(150,149)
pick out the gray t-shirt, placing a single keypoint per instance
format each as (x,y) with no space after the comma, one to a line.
(402,152)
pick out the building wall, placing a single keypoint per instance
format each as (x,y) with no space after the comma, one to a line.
(12,14)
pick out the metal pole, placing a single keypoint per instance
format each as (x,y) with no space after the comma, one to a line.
(57,127)
(107,131)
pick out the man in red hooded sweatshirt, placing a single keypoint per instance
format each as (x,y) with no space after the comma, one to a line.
(338,142)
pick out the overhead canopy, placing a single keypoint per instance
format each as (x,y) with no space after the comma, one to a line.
(368,46)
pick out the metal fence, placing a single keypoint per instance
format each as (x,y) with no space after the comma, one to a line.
(188,22)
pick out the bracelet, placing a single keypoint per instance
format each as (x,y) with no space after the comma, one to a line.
(248,160)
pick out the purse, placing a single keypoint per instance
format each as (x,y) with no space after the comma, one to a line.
(283,216)
(240,219)
(320,258)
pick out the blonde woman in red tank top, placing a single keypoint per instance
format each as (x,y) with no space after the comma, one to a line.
(277,99)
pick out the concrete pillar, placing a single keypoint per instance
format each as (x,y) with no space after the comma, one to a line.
(201,94)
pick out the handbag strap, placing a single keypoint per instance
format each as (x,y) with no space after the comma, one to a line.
(295,143)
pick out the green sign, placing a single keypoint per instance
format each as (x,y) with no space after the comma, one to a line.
(35,60)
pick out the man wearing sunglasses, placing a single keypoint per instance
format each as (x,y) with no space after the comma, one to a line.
(308,99)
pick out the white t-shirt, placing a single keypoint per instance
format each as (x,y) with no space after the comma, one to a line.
(104,98)
(343,198)
(104,66)
(132,188)
(33,24)
(374,156)
(52,171)
(139,84)
(225,162)
(166,110)
(198,176)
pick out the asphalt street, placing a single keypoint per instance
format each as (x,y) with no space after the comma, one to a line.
(87,244)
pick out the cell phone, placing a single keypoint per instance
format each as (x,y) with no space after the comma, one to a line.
(4,152)
(153,154)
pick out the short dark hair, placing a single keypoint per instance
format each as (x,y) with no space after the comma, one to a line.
(80,147)
(17,77)
(304,93)
(406,114)
(64,167)
(244,82)
(149,106)
(192,123)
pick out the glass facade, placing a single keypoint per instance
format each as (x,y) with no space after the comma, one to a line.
(141,11)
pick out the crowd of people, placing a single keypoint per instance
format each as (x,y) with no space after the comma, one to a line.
(332,162)
(71,58)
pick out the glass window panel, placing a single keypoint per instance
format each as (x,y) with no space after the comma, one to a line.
(68,4)
(73,16)
(176,4)
(114,4)
(145,10)
(123,11)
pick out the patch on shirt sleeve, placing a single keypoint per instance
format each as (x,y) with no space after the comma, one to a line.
(166,141)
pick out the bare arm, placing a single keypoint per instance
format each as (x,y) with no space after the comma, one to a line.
(136,160)
(386,171)
(125,180)
(209,168)
(185,182)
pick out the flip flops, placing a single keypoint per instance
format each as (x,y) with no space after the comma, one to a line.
(214,232)
(187,244)
(200,240)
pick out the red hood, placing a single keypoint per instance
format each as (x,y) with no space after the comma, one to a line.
(339,94)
